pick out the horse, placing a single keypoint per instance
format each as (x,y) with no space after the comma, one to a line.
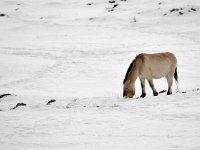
(150,66)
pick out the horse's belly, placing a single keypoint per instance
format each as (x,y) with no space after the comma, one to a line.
(155,74)
(158,76)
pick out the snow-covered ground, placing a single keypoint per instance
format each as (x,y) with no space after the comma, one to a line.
(77,52)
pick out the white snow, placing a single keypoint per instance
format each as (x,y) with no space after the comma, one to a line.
(78,55)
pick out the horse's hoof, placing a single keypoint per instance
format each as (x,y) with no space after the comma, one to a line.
(143,95)
(169,93)
(155,94)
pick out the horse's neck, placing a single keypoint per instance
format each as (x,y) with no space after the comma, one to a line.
(133,75)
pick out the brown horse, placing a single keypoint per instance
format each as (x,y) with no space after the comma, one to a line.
(150,66)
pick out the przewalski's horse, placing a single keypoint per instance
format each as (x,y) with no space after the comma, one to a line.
(150,66)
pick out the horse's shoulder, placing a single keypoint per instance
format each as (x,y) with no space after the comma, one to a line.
(141,57)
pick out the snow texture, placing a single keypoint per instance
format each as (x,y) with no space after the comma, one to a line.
(74,54)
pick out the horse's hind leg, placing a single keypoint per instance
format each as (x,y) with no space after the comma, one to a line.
(169,78)
(155,93)
(142,81)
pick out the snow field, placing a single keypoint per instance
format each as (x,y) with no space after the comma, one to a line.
(78,54)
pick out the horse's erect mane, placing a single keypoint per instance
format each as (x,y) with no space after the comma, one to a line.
(128,71)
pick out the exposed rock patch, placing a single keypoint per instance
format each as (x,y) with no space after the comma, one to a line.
(18,104)
(181,11)
(163,91)
(2,15)
(4,95)
(51,101)
(89,4)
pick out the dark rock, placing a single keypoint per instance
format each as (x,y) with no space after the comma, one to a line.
(111,2)
(19,104)
(193,9)
(2,15)
(163,91)
(51,101)
(134,19)
(195,89)
(89,4)
(174,9)
(4,95)
(110,10)
(115,5)
(180,13)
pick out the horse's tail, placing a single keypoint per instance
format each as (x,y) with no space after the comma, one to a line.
(176,75)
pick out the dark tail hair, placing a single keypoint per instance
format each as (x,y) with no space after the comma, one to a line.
(176,75)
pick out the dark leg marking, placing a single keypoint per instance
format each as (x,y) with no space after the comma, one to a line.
(143,95)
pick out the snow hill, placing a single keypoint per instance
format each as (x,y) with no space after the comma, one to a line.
(74,55)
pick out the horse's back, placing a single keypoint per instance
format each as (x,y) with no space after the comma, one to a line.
(156,65)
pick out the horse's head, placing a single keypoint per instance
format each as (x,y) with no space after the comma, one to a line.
(129,90)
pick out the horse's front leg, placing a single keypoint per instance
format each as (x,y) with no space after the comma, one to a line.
(155,93)
(142,81)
